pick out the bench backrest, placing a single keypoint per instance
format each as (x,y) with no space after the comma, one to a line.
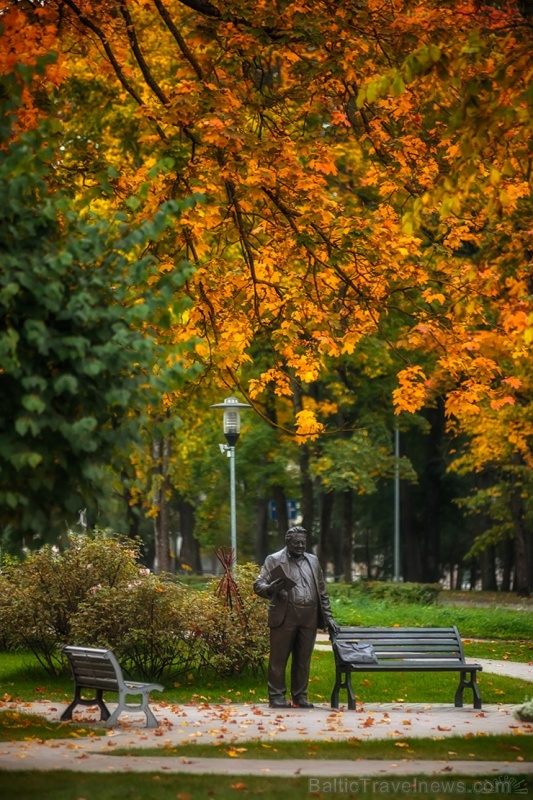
(409,644)
(94,668)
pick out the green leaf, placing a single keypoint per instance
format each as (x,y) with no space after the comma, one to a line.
(398,85)
(133,203)
(66,383)
(33,402)
(9,291)
(434,53)
(26,459)
(24,425)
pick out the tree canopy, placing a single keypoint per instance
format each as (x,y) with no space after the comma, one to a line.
(367,174)
(75,349)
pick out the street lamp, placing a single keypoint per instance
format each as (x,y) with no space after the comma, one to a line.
(232,429)
(396,503)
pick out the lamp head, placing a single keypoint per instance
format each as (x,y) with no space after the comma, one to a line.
(232,418)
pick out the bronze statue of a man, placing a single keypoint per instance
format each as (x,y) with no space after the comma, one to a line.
(299,604)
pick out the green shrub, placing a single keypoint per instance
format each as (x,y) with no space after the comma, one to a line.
(42,593)
(145,622)
(235,636)
(161,629)
(96,593)
(412,593)
(424,594)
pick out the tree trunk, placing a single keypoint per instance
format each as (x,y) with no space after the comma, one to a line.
(433,484)
(488,569)
(458,578)
(473,574)
(161,458)
(507,547)
(368,555)
(261,530)
(307,490)
(190,547)
(306,482)
(410,536)
(326,503)
(282,514)
(278,491)
(132,517)
(347,534)
(523,544)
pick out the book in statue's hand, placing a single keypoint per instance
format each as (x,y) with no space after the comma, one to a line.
(278,572)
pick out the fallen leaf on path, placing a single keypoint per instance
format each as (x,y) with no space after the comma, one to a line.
(233,754)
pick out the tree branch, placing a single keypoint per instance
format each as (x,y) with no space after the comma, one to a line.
(134,42)
(107,47)
(203,7)
(182,44)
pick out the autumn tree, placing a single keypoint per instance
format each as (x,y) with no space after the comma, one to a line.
(348,153)
(367,170)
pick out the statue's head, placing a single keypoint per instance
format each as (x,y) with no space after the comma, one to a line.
(296,540)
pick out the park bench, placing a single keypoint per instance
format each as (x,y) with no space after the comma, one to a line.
(406,650)
(94,668)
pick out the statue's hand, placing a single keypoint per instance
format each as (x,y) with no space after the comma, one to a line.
(333,628)
(276,586)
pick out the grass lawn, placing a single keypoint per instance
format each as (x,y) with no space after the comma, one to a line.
(149,786)
(454,748)
(22,678)
(15,725)
(502,651)
(492,622)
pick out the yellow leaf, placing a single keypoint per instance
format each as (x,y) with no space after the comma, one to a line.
(307,425)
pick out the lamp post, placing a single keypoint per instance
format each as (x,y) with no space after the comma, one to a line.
(397,504)
(232,429)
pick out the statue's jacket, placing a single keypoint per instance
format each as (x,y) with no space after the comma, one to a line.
(277,608)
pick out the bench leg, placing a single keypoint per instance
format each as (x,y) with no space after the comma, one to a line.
(343,684)
(470,683)
(351,695)
(98,700)
(335,692)
(151,721)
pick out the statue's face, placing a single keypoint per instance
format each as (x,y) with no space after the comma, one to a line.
(296,544)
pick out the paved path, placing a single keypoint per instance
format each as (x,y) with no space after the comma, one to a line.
(236,724)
